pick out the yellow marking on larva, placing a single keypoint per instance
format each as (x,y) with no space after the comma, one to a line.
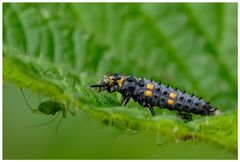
(120,81)
(170,102)
(150,86)
(148,93)
(172,95)
(110,78)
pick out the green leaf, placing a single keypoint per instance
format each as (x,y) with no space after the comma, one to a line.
(58,50)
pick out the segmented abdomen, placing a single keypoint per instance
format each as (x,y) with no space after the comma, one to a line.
(173,99)
(149,94)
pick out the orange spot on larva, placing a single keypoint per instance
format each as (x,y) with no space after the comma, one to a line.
(170,102)
(148,93)
(120,81)
(172,95)
(150,86)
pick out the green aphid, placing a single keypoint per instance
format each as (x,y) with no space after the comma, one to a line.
(49,107)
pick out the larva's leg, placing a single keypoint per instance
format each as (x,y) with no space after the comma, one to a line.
(125,100)
(185,116)
(151,110)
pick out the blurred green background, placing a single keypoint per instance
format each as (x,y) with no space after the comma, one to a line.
(187,45)
(81,137)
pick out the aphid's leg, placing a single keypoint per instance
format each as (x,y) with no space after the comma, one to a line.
(185,116)
(64,113)
(25,99)
(65,109)
(46,123)
(58,125)
(151,110)
(124,100)
(73,113)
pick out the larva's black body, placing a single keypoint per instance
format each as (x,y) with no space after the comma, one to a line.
(149,94)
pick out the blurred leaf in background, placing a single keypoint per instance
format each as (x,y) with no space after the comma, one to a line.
(192,46)
(67,46)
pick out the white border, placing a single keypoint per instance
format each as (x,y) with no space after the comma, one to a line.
(115,1)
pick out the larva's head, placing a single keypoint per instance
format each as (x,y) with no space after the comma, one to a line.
(110,82)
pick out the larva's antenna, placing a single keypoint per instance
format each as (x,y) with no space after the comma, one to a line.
(26,100)
(97,85)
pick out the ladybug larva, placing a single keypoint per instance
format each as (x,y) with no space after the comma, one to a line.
(149,94)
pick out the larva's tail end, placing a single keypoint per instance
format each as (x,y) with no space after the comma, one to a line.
(217,112)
